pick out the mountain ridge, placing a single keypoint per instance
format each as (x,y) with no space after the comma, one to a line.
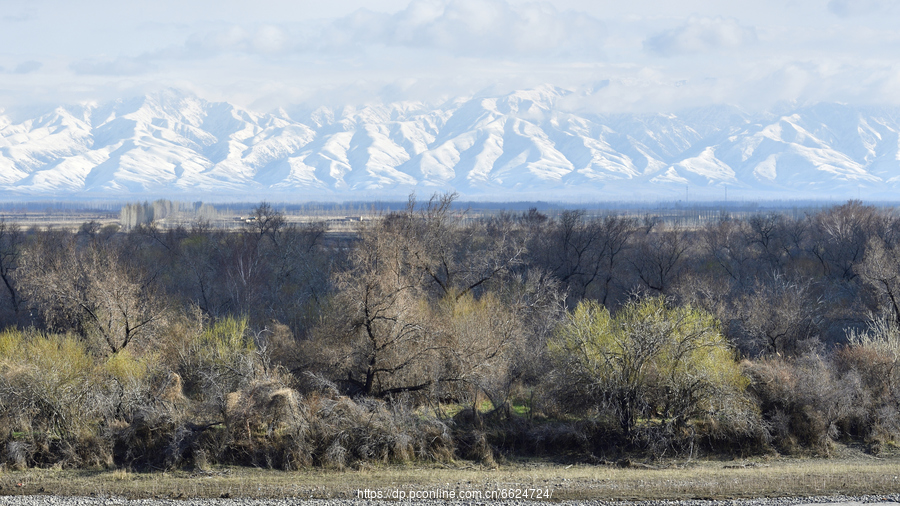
(506,147)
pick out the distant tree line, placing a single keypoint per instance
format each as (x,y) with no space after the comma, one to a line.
(139,214)
(429,335)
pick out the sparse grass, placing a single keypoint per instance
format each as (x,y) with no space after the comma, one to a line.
(854,473)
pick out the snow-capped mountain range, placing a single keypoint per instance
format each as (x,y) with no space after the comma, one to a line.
(519,146)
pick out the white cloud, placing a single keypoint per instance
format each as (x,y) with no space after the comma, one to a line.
(636,55)
(469,28)
(492,28)
(18,18)
(701,35)
(755,86)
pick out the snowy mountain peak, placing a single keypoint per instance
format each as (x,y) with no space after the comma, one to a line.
(512,146)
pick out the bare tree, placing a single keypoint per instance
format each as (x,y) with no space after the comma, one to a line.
(274,269)
(615,233)
(300,276)
(780,316)
(265,222)
(658,256)
(766,235)
(398,320)
(91,290)
(11,240)
(793,236)
(577,253)
(840,235)
(455,257)
(585,254)
(379,332)
(724,242)
(881,270)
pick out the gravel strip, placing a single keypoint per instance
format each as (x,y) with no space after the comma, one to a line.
(49,500)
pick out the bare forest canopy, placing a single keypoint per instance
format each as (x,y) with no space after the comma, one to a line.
(432,331)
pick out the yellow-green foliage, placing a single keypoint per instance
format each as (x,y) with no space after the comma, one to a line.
(10,343)
(650,360)
(226,338)
(125,367)
(222,341)
(52,359)
(48,380)
(484,335)
(218,359)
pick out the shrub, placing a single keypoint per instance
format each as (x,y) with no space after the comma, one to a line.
(651,365)
(807,403)
(874,355)
(51,400)
(215,360)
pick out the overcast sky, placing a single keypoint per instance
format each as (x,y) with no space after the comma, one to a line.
(632,55)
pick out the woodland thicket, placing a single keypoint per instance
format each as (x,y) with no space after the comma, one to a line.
(431,335)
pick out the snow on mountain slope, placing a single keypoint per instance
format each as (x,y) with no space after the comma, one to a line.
(491,146)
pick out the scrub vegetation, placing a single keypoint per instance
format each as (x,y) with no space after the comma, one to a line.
(429,336)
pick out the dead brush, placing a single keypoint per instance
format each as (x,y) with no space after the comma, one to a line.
(18,454)
(89,451)
(266,426)
(479,436)
(805,403)
(357,431)
(878,376)
(266,405)
(344,431)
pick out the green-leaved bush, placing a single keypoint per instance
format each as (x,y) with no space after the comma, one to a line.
(658,369)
